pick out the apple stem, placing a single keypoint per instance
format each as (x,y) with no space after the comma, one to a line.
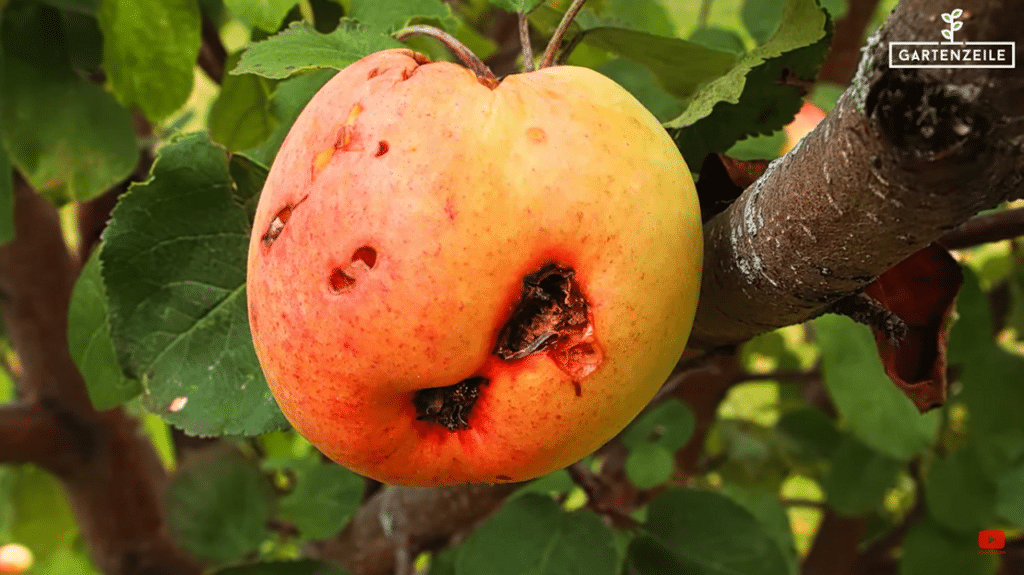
(483,73)
(563,27)
(524,40)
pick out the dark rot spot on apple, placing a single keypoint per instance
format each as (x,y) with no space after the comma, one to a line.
(503,478)
(382,148)
(552,317)
(277,225)
(449,406)
(373,73)
(343,278)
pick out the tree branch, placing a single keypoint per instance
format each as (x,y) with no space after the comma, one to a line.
(994,227)
(28,435)
(212,54)
(423,517)
(905,156)
(110,473)
(847,40)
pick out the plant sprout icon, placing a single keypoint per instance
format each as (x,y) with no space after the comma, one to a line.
(950,18)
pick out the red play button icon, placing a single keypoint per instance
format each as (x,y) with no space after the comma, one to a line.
(991,539)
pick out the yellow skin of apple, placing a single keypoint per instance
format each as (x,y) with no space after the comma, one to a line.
(472,190)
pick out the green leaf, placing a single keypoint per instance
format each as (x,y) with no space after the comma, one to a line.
(703,533)
(79,6)
(669,424)
(530,534)
(761,18)
(517,6)
(219,509)
(809,434)
(84,41)
(174,264)
(304,567)
(149,52)
(649,464)
(69,138)
(681,67)
(240,117)
(90,344)
(960,494)
(643,85)
(6,197)
(720,39)
(990,374)
(758,95)
(764,147)
(248,176)
(859,478)
(300,48)
(556,482)
(1010,505)
(325,497)
(390,16)
(877,412)
(930,550)
(264,14)
(289,99)
(765,506)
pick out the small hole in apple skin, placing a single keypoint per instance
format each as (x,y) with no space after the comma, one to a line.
(343,278)
(367,255)
(382,148)
(277,225)
(340,281)
(449,406)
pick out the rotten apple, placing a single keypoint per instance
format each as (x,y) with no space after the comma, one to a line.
(453,279)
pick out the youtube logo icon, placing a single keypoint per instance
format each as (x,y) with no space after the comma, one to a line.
(991,539)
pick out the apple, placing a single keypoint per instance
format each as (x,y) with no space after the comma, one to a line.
(804,121)
(453,279)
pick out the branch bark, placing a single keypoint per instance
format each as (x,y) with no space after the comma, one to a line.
(111,475)
(416,518)
(905,156)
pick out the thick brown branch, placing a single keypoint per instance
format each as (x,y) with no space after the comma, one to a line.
(110,473)
(28,434)
(905,156)
(422,517)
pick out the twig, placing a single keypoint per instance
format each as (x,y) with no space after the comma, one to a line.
(563,27)
(801,375)
(847,40)
(524,40)
(705,12)
(212,54)
(994,227)
(483,73)
(586,479)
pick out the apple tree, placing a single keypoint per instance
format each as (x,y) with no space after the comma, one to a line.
(851,398)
